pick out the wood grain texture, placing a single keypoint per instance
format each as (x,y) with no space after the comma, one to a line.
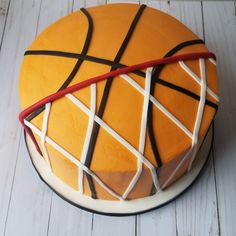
(52,11)
(77,4)
(196,210)
(123,1)
(67,220)
(164,219)
(90,3)
(220,29)
(158,222)
(4,5)
(30,201)
(115,226)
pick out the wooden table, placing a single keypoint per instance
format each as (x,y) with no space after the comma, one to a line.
(28,207)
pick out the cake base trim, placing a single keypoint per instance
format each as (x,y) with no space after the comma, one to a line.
(121,208)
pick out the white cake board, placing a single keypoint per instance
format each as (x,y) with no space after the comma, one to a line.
(120,208)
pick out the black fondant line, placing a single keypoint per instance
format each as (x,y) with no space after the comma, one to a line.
(108,86)
(156,72)
(84,57)
(84,51)
(185,91)
(118,65)
(77,65)
(71,77)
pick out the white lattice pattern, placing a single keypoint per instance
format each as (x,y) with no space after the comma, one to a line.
(139,154)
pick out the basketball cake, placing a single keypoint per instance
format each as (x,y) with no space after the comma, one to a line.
(118,103)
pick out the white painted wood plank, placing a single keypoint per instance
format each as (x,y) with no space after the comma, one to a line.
(67,220)
(115,226)
(220,29)
(18,34)
(52,11)
(30,201)
(90,3)
(158,222)
(77,4)
(189,13)
(30,198)
(196,210)
(4,4)
(160,5)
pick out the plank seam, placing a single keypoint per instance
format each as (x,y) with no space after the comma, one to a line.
(4,26)
(50,213)
(203,25)
(12,184)
(216,189)
(213,156)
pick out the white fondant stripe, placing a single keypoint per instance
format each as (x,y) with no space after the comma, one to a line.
(72,159)
(118,138)
(200,110)
(88,133)
(158,105)
(197,79)
(212,61)
(44,133)
(142,132)
(188,153)
(193,150)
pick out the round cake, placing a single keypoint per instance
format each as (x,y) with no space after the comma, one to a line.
(118,102)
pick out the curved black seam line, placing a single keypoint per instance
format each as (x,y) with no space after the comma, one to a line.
(108,87)
(77,65)
(84,57)
(119,65)
(155,75)
(156,72)
(72,75)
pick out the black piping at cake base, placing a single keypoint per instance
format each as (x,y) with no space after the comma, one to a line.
(143,211)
